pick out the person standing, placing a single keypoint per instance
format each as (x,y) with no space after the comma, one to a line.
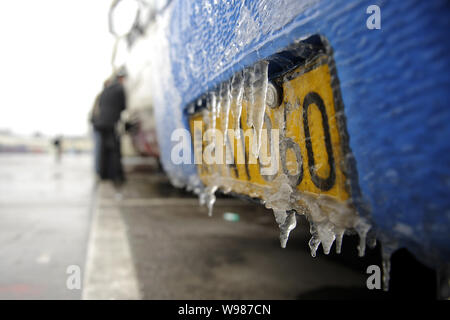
(57,143)
(111,103)
(96,135)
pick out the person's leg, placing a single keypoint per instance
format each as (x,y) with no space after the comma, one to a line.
(103,154)
(97,151)
(118,169)
(110,154)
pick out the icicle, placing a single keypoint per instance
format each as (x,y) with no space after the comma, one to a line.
(225,105)
(287,227)
(256,79)
(206,115)
(210,199)
(371,240)
(207,197)
(213,109)
(250,80)
(387,248)
(286,222)
(326,235)
(219,101)
(237,93)
(259,101)
(386,264)
(339,237)
(314,242)
(280,202)
(249,75)
(362,227)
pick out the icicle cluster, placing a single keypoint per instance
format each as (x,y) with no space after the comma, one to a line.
(228,98)
(328,219)
(280,203)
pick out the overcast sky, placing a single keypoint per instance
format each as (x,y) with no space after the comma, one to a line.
(54,56)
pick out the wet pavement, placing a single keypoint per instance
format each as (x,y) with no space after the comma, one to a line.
(44,223)
(149,241)
(173,250)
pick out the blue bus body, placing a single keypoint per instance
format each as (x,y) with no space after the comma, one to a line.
(395,89)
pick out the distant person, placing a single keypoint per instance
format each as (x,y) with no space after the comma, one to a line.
(96,130)
(57,143)
(111,103)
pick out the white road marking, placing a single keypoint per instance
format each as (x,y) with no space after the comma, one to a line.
(109,270)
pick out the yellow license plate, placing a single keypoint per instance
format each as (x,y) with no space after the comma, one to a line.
(311,140)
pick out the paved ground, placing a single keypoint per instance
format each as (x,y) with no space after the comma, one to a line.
(173,250)
(150,241)
(44,223)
